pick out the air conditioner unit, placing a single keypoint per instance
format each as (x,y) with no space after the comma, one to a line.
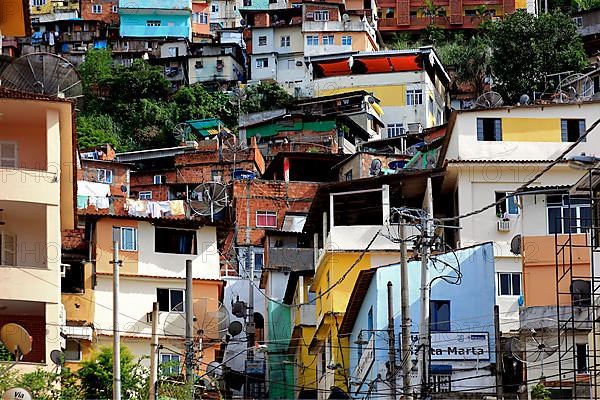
(191,143)
(504,226)
(415,127)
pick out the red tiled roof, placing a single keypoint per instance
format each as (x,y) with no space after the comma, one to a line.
(20,95)
(73,239)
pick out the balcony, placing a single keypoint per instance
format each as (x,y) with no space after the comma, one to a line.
(295,259)
(418,23)
(143,31)
(31,186)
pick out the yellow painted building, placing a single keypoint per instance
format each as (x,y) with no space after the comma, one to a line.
(55,6)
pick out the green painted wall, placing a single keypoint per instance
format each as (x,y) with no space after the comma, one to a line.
(273,129)
(280,375)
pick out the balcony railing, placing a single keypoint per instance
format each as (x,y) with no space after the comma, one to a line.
(30,186)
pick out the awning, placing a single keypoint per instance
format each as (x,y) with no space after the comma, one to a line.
(386,64)
(334,68)
(293,223)
(207,127)
(77,332)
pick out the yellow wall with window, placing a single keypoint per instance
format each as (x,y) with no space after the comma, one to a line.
(390,95)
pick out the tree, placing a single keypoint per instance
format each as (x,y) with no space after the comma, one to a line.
(96,375)
(43,385)
(264,97)
(525,48)
(98,129)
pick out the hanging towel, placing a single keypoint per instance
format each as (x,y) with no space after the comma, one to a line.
(164,207)
(82,201)
(177,207)
(102,202)
(86,188)
(154,209)
(130,206)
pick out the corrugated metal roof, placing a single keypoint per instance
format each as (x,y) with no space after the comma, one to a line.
(152,153)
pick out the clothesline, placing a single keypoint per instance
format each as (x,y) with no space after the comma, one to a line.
(155,209)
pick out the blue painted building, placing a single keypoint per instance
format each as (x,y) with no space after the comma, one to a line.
(462,323)
(155,19)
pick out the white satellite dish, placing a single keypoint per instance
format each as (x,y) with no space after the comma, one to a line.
(209,198)
(540,342)
(17,394)
(489,100)
(575,88)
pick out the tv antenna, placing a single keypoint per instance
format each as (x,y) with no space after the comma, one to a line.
(44,73)
(489,100)
(209,198)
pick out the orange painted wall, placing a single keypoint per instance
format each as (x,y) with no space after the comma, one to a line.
(12,18)
(539,269)
(104,247)
(201,7)
(31,143)
(212,290)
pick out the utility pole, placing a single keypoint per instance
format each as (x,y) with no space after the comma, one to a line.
(189,329)
(406,353)
(154,352)
(116,333)
(499,359)
(250,328)
(391,341)
(424,339)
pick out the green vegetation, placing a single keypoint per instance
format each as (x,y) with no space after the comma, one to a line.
(540,392)
(134,107)
(517,51)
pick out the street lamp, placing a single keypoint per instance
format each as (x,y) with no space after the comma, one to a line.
(583,161)
(360,340)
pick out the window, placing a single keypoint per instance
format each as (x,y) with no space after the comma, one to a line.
(470,13)
(571,129)
(312,40)
(214,8)
(327,39)
(267,219)
(159,179)
(509,284)
(247,3)
(389,13)
(38,3)
(170,300)
(115,9)
(96,8)
(438,117)
(430,104)
(153,23)
(578,21)
(489,129)
(8,248)
(170,364)
(173,51)
(285,41)
(440,383)
(582,354)
(321,15)
(439,315)
(348,176)
(128,238)
(145,195)
(262,63)
(203,18)
(346,40)
(262,40)
(395,130)
(508,206)
(72,350)
(73,280)
(105,176)
(568,214)
(174,241)
(199,64)
(414,97)
(8,154)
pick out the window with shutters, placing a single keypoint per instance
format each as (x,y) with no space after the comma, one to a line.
(8,154)
(571,129)
(8,248)
(489,129)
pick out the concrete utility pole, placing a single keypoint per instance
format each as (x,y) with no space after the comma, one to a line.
(499,359)
(116,333)
(424,340)
(406,353)
(391,341)
(189,329)
(154,353)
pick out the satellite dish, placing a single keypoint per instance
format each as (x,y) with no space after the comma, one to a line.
(538,343)
(239,309)
(231,146)
(576,88)
(17,393)
(214,369)
(209,198)
(581,293)
(489,100)
(16,339)
(123,188)
(235,328)
(43,73)
(183,132)
(375,168)
(524,100)
(57,357)
(515,245)
(345,17)
(211,320)
(430,159)
(242,22)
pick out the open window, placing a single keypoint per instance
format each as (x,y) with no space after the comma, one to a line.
(175,241)
(572,129)
(170,300)
(439,312)
(73,280)
(489,129)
